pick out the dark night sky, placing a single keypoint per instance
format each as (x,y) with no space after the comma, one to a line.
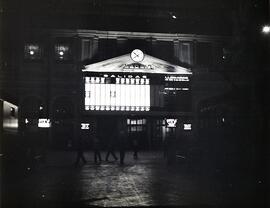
(193,16)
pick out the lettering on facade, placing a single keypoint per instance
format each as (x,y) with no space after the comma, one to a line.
(137,66)
(85,126)
(171,123)
(176,78)
(187,126)
(44,123)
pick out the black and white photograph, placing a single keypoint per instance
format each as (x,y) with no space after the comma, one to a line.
(134,103)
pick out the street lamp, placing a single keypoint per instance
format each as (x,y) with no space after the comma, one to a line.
(266,29)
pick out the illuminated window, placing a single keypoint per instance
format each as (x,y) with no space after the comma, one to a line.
(120,94)
(62,52)
(32,52)
(87,80)
(136,125)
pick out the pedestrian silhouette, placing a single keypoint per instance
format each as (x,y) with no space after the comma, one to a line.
(122,146)
(111,147)
(96,144)
(134,146)
(80,155)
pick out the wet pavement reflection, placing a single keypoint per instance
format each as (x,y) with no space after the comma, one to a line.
(148,181)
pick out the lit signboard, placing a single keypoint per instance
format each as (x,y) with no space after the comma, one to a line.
(177,93)
(9,117)
(176,78)
(187,126)
(171,123)
(44,123)
(117,93)
(85,126)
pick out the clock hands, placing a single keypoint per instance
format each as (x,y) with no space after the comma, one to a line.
(136,55)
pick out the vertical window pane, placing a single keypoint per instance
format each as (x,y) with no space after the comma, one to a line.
(118,94)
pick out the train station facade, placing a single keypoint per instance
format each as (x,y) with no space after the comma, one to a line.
(84,82)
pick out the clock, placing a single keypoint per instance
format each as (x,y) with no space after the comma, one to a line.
(137,55)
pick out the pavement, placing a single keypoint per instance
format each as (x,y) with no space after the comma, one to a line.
(148,181)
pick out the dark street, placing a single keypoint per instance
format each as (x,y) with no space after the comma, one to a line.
(148,181)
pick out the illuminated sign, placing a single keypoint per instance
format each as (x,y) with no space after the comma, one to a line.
(176,78)
(171,123)
(85,126)
(176,88)
(117,93)
(187,126)
(44,123)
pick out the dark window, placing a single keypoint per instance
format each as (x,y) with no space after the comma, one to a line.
(204,54)
(185,52)
(86,49)
(32,51)
(164,50)
(107,48)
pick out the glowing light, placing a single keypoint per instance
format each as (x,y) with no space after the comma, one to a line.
(174,17)
(61,53)
(85,126)
(26,121)
(266,29)
(187,126)
(32,52)
(44,123)
(171,123)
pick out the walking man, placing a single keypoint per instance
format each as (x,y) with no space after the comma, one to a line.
(111,147)
(80,155)
(134,146)
(97,155)
(122,146)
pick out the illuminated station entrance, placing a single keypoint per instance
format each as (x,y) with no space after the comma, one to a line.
(143,95)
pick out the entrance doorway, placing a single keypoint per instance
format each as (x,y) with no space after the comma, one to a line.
(107,127)
(137,130)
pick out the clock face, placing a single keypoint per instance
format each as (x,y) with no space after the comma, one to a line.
(137,55)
